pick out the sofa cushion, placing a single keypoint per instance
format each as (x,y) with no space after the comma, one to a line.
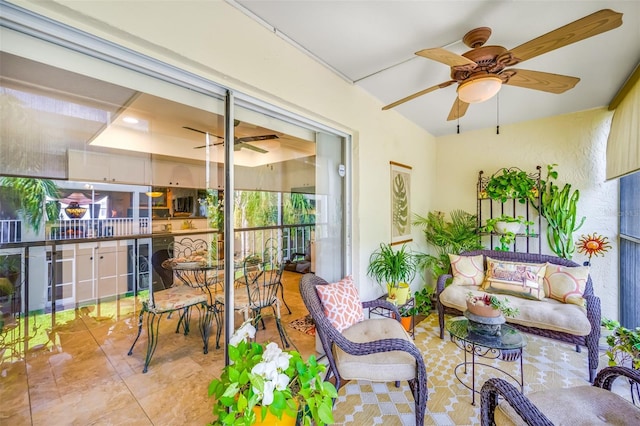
(546,314)
(467,270)
(378,367)
(581,405)
(341,303)
(565,283)
(515,278)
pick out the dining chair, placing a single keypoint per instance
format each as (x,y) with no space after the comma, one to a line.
(178,298)
(273,254)
(257,290)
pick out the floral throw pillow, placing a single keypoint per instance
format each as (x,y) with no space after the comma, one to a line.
(341,303)
(467,270)
(565,283)
(515,278)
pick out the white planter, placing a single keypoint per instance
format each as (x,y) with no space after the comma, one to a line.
(505,227)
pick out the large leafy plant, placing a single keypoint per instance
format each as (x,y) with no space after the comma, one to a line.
(264,379)
(455,236)
(31,195)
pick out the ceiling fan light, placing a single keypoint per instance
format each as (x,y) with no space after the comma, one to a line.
(479,89)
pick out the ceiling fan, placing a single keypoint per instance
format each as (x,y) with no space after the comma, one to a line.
(238,143)
(481,72)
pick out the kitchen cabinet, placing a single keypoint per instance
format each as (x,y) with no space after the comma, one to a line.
(101,270)
(174,174)
(102,167)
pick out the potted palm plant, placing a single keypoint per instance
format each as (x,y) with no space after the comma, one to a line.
(455,236)
(396,268)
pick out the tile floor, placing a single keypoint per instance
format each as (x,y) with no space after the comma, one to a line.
(82,374)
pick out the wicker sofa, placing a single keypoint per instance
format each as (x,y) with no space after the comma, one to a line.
(565,322)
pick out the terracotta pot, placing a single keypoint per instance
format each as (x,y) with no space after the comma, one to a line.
(273,420)
(406,323)
(483,310)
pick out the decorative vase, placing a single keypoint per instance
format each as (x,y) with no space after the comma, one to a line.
(272,420)
(74,211)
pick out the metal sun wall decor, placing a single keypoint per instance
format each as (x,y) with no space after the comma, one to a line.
(400,203)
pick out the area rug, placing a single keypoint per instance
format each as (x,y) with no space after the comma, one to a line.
(547,364)
(304,325)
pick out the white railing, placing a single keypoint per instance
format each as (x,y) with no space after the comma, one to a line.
(97,228)
(10,230)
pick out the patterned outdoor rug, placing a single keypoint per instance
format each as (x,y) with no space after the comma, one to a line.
(304,325)
(547,364)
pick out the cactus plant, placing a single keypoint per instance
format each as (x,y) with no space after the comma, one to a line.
(559,208)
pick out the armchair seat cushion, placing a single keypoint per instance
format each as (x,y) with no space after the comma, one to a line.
(376,367)
(547,314)
(582,405)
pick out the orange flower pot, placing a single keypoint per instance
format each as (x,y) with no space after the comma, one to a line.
(272,420)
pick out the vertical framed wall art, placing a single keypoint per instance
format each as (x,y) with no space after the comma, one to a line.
(400,203)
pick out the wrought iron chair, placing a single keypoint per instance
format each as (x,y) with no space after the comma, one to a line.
(179,298)
(390,356)
(262,279)
(570,406)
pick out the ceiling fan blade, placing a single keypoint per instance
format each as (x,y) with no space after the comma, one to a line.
(458,109)
(239,145)
(255,138)
(544,81)
(589,26)
(448,58)
(420,93)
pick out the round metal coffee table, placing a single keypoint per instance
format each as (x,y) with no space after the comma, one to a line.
(508,345)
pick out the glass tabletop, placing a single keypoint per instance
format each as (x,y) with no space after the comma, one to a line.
(508,338)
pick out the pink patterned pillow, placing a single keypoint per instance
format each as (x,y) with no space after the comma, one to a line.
(341,303)
(565,283)
(467,270)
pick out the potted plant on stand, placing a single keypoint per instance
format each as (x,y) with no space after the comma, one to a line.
(507,227)
(512,183)
(264,381)
(396,268)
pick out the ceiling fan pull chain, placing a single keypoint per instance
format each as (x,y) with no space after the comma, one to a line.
(498,114)
(458,106)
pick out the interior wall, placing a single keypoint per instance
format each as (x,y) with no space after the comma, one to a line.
(576,143)
(214,40)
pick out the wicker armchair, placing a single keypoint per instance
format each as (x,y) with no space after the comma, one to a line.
(569,406)
(383,360)
(593,308)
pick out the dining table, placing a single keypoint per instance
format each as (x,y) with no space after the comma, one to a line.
(207,276)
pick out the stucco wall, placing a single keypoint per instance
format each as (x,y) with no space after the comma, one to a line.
(576,143)
(214,40)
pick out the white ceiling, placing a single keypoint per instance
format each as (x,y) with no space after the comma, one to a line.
(372,44)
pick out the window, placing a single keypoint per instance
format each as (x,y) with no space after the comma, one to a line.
(630,250)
